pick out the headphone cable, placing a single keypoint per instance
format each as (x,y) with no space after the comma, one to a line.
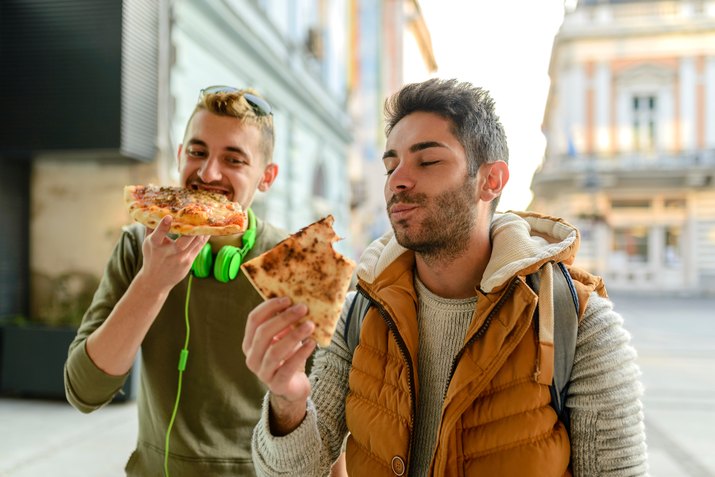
(183,356)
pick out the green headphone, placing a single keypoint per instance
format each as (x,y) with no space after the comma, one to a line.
(229,258)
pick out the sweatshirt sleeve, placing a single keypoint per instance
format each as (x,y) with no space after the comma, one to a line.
(87,387)
(607,429)
(311,448)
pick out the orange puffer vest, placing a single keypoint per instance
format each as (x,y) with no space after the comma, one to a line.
(496,418)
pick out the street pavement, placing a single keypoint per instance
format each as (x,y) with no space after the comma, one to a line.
(50,438)
(675,340)
(674,337)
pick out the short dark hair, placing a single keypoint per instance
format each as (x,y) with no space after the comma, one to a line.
(470,109)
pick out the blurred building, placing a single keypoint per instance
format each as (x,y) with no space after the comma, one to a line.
(96,94)
(630,129)
(392,46)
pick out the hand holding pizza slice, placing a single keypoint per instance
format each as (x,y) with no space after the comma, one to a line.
(306,268)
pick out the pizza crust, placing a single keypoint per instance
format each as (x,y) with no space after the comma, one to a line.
(306,268)
(190,216)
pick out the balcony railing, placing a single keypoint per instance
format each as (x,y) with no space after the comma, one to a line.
(657,9)
(704,159)
(597,16)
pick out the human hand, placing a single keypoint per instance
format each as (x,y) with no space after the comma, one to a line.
(167,261)
(277,348)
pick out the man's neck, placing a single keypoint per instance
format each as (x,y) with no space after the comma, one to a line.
(218,241)
(458,277)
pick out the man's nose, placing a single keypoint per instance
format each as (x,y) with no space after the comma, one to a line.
(400,179)
(210,170)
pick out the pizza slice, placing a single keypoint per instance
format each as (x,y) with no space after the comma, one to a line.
(195,212)
(306,268)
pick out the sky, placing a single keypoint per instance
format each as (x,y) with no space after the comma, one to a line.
(503,46)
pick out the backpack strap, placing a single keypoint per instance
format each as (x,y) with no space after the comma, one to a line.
(566,306)
(353,320)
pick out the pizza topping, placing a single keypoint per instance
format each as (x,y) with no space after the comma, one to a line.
(195,211)
(306,268)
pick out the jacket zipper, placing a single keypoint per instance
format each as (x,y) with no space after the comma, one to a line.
(480,332)
(406,356)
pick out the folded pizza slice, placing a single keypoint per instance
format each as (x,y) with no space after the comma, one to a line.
(306,268)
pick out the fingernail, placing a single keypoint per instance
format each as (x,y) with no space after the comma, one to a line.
(300,308)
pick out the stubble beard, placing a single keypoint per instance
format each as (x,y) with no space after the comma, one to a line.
(444,234)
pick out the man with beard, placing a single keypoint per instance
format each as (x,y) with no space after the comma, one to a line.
(452,371)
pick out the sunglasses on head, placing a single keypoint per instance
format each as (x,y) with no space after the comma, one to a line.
(260,106)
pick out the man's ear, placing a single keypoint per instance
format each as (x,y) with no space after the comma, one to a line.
(494,176)
(270,172)
(178,158)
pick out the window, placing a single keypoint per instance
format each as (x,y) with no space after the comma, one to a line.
(672,256)
(674,204)
(319,186)
(644,122)
(630,203)
(630,244)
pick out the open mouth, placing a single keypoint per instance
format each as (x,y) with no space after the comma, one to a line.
(208,188)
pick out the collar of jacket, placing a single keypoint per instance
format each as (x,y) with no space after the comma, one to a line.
(521,243)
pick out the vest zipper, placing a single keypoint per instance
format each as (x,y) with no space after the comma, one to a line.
(480,332)
(406,356)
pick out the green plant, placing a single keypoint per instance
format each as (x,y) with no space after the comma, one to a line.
(13,320)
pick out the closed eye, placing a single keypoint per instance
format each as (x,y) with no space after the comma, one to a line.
(390,165)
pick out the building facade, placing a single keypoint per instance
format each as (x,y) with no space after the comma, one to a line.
(630,129)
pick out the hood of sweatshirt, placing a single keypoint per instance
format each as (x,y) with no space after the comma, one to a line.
(521,243)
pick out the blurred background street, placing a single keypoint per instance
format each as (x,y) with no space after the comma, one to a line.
(608,107)
(674,338)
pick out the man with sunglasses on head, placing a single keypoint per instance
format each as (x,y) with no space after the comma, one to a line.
(200,422)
